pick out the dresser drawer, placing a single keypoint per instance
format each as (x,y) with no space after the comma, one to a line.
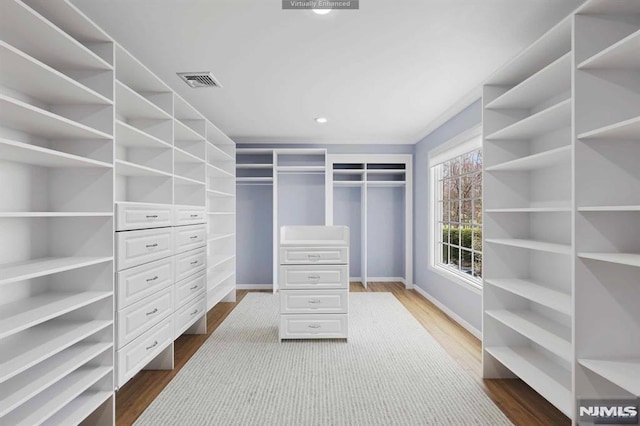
(304,255)
(138,247)
(141,316)
(314,301)
(189,215)
(187,315)
(301,277)
(190,288)
(313,326)
(140,216)
(137,283)
(133,357)
(190,263)
(189,237)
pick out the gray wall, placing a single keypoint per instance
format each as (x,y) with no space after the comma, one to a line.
(458,299)
(347,210)
(385,232)
(254,217)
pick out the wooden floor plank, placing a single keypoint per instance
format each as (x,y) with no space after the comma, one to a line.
(518,401)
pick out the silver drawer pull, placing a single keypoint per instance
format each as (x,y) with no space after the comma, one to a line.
(313,257)
(152,312)
(152,279)
(194,312)
(314,326)
(193,215)
(314,302)
(313,277)
(152,245)
(194,287)
(193,237)
(152,216)
(155,343)
(195,262)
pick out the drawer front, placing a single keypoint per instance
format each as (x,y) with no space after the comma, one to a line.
(190,263)
(137,283)
(189,215)
(319,326)
(141,316)
(187,289)
(135,356)
(141,216)
(189,314)
(189,237)
(138,247)
(314,301)
(294,277)
(300,255)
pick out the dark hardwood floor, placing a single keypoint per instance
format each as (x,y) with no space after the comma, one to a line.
(518,401)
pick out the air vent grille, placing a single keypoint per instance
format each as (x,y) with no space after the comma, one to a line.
(197,80)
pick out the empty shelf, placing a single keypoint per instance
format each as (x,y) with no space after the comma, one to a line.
(223,277)
(216,237)
(182,156)
(132,105)
(254,179)
(348,183)
(382,183)
(79,409)
(182,132)
(631,259)
(548,378)
(535,292)
(126,168)
(537,161)
(549,334)
(25,313)
(181,180)
(623,54)
(219,194)
(624,373)
(217,171)
(530,210)
(532,245)
(254,166)
(45,266)
(624,130)
(217,153)
(129,136)
(218,259)
(545,121)
(609,209)
(32,154)
(300,169)
(56,214)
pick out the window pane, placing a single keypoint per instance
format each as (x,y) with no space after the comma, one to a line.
(477,185)
(465,237)
(466,261)
(454,211)
(477,211)
(467,211)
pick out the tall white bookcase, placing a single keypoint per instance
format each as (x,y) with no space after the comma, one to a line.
(561,301)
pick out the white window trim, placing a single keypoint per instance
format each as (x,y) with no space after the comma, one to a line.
(464,142)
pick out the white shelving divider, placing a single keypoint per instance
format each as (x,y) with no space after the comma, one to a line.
(607,218)
(56,217)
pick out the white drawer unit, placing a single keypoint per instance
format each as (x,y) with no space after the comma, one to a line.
(311,255)
(137,247)
(314,301)
(142,315)
(130,216)
(301,277)
(193,286)
(314,282)
(133,357)
(190,263)
(137,283)
(189,215)
(189,237)
(186,316)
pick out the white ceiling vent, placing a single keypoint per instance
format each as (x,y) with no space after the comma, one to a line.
(196,80)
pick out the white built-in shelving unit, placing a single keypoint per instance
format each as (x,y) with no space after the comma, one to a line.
(562,224)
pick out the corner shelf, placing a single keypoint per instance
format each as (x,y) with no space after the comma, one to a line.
(536,292)
(623,372)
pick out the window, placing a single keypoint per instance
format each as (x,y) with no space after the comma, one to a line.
(456,219)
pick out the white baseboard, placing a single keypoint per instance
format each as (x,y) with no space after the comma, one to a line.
(254,286)
(357,279)
(457,318)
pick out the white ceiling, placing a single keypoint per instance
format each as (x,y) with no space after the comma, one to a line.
(381,74)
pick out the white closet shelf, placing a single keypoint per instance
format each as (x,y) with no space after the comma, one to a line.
(355,183)
(624,130)
(21,116)
(254,166)
(20,152)
(44,405)
(182,132)
(609,209)
(389,183)
(133,105)
(386,172)
(218,259)
(28,312)
(548,82)
(221,213)
(253,151)
(348,171)
(78,409)
(217,171)
(21,352)
(254,179)
(126,168)
(24,386)
(545,121)
(136,75)
(45,266)
(630,259)
(549,334)
(36,79)
(548,378)
(219,194)
(182,156)
(218,154)
(303,169)
(623,54)
(46,41)
(54,214)
(216,237)
(129,136)
(532,245)
(530,210)
(536,161)
(181,180)
(536,292)
(622,372)
(183,110)
(223,278)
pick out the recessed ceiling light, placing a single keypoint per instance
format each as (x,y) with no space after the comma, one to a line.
(321,120)
(321,11)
